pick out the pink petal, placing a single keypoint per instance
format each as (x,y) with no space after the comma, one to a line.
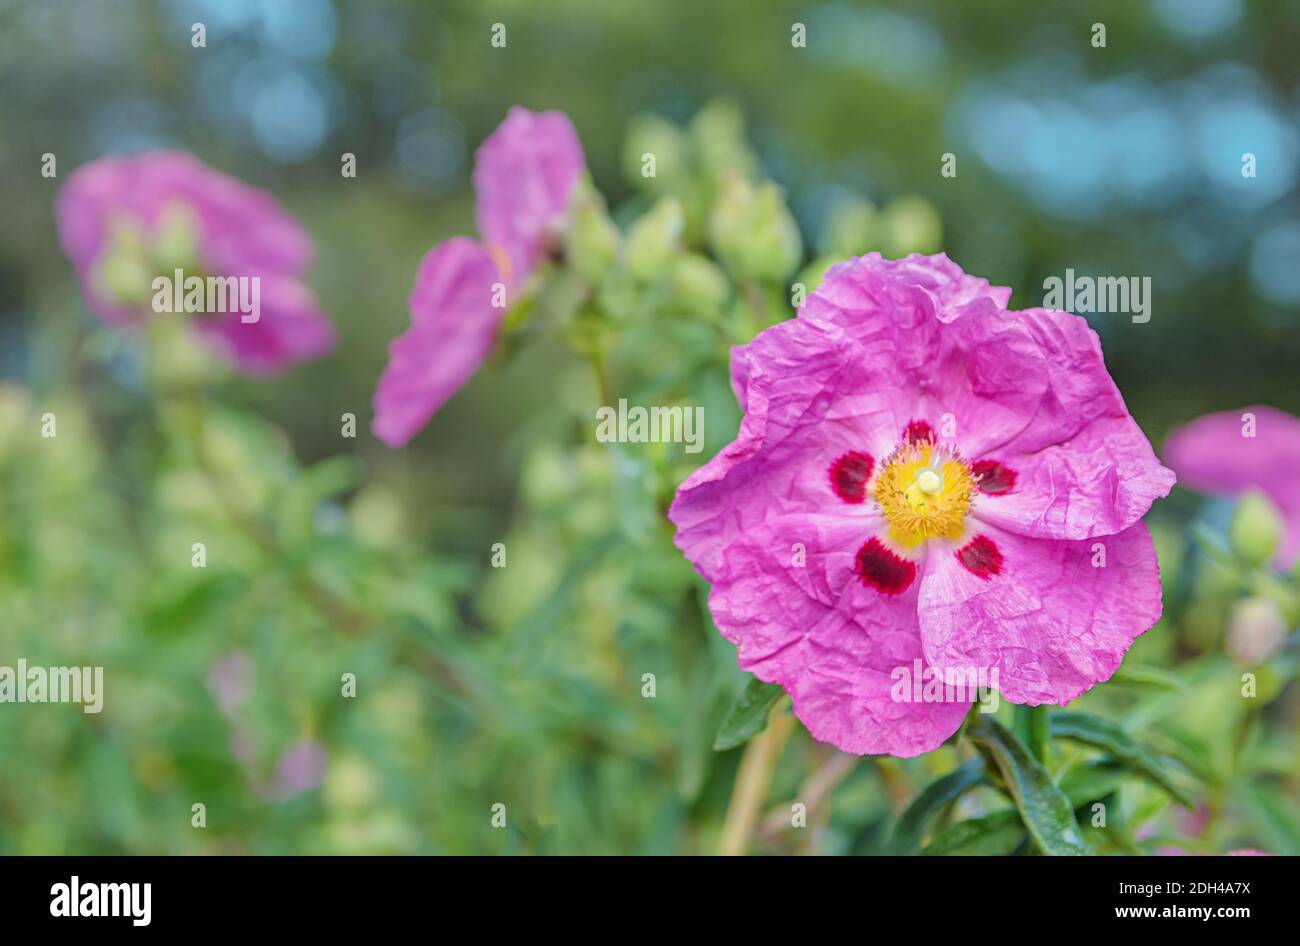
(1083,466)
(291,328)
(1050,622)
(524,174)
(810,400)
(453,328)
(1211,455)
(834,644)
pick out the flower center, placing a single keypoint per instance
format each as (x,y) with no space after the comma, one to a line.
(924,490)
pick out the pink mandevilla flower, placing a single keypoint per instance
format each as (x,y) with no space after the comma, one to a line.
(125,221)
(1230,452)
(524,176)
(924,479)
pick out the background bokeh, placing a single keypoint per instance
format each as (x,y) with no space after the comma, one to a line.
(523,685)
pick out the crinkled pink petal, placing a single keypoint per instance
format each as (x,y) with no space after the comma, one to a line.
(524,175)
(453,328)
(1053,621)
(833,644)
(810,399)
(291,328)
(1083,466)
(1213,455)
(943,280)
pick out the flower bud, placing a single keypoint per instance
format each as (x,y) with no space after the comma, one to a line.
(699,286)
(852,228)
(753,232)
(654,152)
(717,135)
(592,241)
(655,239)
(1256,529)
(1256,631)
(911,225)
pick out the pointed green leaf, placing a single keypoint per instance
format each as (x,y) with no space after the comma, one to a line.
(1045,810)
(996,834)
(1147,676)
(937,795)
(748,715)
(1109,737)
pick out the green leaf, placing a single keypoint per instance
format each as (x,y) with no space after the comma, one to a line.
(1147,676)
(748,715)
(1045,810)
(996,834)
(936,796)
(1110,738)
(1091,781)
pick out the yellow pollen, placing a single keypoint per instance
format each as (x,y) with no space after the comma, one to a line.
(924,491)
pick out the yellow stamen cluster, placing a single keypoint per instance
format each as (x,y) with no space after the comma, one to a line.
(924,490)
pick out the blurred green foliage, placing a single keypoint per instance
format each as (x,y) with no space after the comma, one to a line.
(526,685)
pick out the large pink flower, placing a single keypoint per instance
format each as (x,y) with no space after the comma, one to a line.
(1233,451)
(125,221)
(524,176)
(924,480)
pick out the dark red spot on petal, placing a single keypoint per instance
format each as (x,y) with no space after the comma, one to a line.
(849,475)
(881,569)
(994,477)
(981,557)
(918,431)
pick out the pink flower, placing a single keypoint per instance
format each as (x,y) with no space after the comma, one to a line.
(524,176)
(298,770)
(1231,452)
(924,481)
(126,221)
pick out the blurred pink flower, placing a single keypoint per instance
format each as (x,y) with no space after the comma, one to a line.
(524,176)
(230,679)
(924,482)
(126,220)
(299,769)
(1230,452)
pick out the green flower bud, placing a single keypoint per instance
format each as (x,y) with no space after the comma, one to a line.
(1256,631)
(718,137)
(655,239)
(699,286)
(126,271)
(852,228)
(753,232)
(592,241)
(126,277)
(655,152)
(175,245)
(1256,529)
(911,225)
